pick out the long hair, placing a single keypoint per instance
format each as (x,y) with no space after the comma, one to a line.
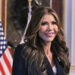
(35,43)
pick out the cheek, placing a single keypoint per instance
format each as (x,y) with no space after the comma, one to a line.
(42,29)
(56,29)
(41,32)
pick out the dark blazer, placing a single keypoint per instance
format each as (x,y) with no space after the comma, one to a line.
(19,64)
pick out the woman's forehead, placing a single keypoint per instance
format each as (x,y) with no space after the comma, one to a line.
(48,17)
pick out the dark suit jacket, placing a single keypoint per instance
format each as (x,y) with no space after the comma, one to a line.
(19,64)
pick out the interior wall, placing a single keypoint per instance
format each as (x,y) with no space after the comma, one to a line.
(57,5)
(70,31)
(73,33)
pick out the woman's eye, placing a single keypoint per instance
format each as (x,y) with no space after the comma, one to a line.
(44,23)
(53,22)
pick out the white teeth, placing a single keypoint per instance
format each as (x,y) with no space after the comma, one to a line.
(49,34)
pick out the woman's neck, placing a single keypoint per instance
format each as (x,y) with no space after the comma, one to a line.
(48,53)
(47,48)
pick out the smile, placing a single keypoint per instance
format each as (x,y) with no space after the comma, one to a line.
(50,34)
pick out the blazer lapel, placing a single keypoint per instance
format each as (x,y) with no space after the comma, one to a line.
(48,66)
(60,70)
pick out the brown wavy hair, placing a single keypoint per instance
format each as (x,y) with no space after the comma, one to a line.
(34,43)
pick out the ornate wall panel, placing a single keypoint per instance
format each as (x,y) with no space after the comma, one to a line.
(17,17)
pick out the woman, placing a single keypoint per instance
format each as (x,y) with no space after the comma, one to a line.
(44,51)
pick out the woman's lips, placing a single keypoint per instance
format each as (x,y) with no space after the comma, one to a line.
(50,34)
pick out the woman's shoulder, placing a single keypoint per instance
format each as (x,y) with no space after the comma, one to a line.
(19,48)
(18,61)
(18,51)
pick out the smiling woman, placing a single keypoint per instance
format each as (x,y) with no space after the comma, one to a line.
(49,28)
(44,51)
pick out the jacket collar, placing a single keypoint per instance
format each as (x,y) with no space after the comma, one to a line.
(49,68)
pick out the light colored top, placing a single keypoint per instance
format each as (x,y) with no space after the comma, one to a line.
(54,70)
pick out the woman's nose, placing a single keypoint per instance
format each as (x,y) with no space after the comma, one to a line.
(50,27)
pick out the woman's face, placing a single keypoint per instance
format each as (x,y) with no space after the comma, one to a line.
(48,28)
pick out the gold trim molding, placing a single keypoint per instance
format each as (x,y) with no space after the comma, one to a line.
(0,8)
(72,67)
(5,17)
(50,3)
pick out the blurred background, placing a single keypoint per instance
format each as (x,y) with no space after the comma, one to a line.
(15,16)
